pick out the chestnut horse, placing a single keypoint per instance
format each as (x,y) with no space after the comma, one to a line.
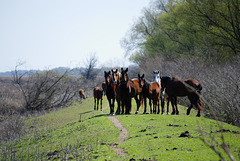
(180,88)
(126,90)
(116,79)
(163,95)
(98,95)
(109,91)
(81,94)
(152,92)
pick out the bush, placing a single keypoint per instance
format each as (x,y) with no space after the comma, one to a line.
(220,82)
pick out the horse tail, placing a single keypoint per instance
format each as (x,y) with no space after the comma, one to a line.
(197,100)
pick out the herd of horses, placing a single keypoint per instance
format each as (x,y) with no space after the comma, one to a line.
(120,88)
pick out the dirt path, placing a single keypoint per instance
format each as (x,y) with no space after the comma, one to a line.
(123,135)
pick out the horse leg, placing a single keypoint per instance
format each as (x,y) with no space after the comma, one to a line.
(97,103)
(150,105)
(158,106)
(189,109)
(145,105)
(172,102)
(162,105)
(113,103)
(168,106)
(101,104)
(154,106)
(110,105)
(129,105)
(175,102)
(123,104)
(94,103)
(138,104)
(118,108)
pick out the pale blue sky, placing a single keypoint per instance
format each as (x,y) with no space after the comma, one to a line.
(51,33)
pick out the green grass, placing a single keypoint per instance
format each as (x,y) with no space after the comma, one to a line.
(64,135)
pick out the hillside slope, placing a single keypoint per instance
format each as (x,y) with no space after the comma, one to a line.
(80,133)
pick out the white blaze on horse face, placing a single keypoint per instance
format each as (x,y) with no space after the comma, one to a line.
(157,78)
(114,77)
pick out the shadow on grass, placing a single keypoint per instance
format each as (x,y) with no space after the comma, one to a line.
(100,115)
(85,112)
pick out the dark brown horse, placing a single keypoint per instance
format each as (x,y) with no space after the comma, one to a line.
(81,94)
(126,90)
(152,92)
(110,91)
(98,95)
(179,88)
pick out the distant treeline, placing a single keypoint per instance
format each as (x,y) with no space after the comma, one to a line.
(59,70)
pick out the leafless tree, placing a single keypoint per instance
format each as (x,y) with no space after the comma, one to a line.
(44,90)
(90,71)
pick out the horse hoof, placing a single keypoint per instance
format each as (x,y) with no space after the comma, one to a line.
(136,112)
(177,113)
(168,113)
(163,113)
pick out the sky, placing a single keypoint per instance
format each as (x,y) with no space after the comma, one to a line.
(44,34)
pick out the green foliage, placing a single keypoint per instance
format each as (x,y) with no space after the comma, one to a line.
(202,28)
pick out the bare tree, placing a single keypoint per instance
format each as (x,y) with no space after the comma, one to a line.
(44,90)
(90,71)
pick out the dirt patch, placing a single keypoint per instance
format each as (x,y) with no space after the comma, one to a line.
(123,135)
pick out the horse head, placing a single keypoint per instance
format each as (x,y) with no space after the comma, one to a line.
(141,80)
(124,74)
(156,75)
(116,76)
(107,77)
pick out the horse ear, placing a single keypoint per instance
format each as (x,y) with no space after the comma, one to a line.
(143,75)
(116,70)
(158,72)
(127,70)
(121,69)
(138,75)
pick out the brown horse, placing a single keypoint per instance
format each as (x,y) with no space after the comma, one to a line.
(109,91)
(81,94)
(180,88)
(98,95)
(152,92)
(116,79)
(126,90)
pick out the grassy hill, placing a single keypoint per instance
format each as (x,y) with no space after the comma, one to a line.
(80,133)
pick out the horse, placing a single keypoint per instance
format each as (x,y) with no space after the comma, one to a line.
(116,78)
(181,88)
(109,91)
(163,95)
(98,95)
(152,92)
(81,94)
(126,90)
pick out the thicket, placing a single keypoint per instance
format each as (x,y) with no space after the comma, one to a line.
(206,29)
(28,94)
(197,39)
